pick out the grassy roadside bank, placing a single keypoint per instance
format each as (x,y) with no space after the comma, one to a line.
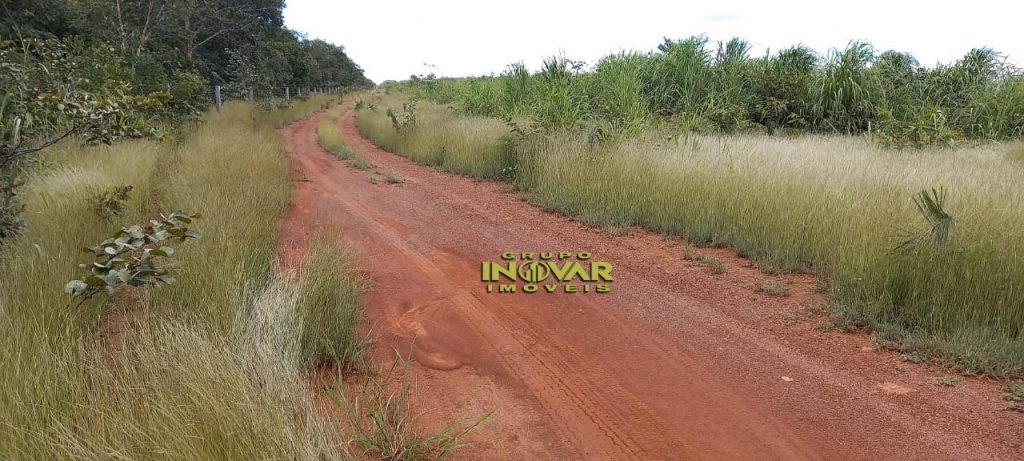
(467,145)
(213,367)
(837,206)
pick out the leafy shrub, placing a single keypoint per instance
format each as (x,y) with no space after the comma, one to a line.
(189,94)
(406,120)
(928,127)
(46,100)
(111,202)
(129,257)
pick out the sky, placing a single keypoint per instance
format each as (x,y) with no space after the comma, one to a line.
(394,39)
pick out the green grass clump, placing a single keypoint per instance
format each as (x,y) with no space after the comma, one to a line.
(382,425)
(712,262)
(771,288)
(359,163)
(330,287)
(825,327)
(206,176)
(243,395)
(1013,394)
(329,137)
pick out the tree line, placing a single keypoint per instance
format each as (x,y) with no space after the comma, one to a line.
(188,45)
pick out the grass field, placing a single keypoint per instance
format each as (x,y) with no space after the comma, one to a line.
(213,367)
(836,206)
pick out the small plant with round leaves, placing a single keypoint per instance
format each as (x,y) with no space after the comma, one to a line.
(132,256)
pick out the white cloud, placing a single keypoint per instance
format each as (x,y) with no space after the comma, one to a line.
(392,40)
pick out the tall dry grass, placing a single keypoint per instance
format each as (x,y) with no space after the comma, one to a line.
(209,368)
(836,206)
(460,144)
(43,371)
(330,289)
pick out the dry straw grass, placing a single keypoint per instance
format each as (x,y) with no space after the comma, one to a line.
(836,206)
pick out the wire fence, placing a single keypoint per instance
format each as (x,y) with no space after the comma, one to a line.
(221,93)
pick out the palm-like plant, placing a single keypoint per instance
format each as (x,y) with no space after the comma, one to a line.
(939,232)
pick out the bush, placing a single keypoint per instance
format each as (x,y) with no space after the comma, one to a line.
(190,94)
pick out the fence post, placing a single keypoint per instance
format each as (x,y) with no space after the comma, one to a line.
(216,97)
(287,93)
(250,94)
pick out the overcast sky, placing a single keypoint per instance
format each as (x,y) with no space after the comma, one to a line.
(395,38)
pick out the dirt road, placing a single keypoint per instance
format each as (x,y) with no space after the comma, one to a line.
(675,363)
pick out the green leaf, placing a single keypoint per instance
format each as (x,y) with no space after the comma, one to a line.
(136,232)
(95,281)
(75,287)
(162,251)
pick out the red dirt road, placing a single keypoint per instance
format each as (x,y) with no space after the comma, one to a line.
(674,363)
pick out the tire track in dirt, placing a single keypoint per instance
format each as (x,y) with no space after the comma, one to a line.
(674,363)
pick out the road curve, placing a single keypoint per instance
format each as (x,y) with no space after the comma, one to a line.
(674,363)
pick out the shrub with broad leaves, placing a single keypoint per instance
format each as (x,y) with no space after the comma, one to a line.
(133,256)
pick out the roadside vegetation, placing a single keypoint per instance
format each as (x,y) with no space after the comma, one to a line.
(219,364)
(168,371)
(329,137)
(909,224)
(328,134)
(440,138)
